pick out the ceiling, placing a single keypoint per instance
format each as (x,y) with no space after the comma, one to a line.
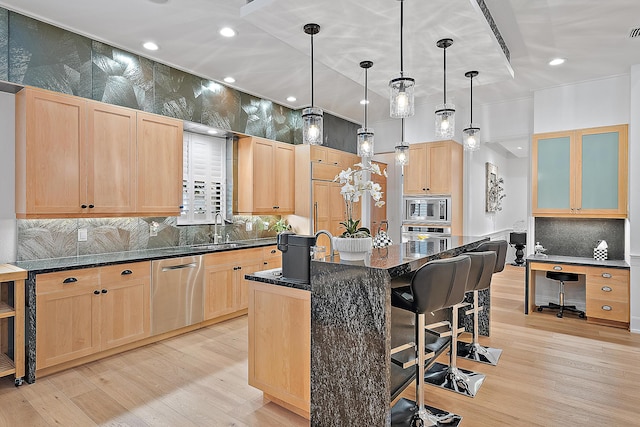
(270,55)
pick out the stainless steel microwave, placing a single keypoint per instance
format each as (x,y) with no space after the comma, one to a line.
(428,209)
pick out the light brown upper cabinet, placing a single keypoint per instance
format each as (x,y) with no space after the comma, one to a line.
(433,168)
(159,153)
(580,173)
(82,158)
(379,214)
(266,173)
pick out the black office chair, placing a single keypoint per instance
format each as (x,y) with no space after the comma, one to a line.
(435,286)
(562,277)
(450,377)
(473,350)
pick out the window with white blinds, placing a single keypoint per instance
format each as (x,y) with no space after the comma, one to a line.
(203,184)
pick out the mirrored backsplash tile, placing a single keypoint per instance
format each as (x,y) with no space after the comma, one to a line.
(42,239)
(4,44)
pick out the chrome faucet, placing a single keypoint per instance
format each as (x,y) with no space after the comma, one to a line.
(216,236)
(330,236)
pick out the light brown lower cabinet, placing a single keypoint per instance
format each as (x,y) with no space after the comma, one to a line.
(280,345)
(82,312)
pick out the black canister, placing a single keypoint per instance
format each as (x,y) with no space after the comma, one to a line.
(296,255)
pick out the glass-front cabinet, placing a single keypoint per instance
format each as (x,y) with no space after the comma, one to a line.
(581,172)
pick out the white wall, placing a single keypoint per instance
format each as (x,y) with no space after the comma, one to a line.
(8,231)
(634,195)
(594,103)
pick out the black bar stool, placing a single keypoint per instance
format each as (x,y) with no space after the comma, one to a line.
(450,377)
(435,286)
(473,350)
(562,277)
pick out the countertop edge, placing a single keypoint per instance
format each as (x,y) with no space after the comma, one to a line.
(563,259)
(114,258)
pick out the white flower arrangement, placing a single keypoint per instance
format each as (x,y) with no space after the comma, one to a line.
(354,186)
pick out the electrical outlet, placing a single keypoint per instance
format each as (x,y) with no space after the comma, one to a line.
(248,226)
(82,234)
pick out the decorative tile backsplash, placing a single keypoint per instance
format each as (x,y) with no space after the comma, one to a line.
(57,238)
(578,236)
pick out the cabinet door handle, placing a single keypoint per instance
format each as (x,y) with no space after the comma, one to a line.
(606,289)
(273,251)
(83,206)
(70,280)
(96,292)
(126,272)
(104,291)
(239,268)
(557,267)
(91,206)
(315,215)
(265,263)
(607,275)
(607,308)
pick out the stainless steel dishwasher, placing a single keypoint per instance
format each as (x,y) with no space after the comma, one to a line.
(176,293)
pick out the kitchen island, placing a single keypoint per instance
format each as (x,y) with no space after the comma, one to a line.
(350,331)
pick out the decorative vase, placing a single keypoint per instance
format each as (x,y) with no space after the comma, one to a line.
(352,248)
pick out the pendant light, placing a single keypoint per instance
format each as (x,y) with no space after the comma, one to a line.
(312,116)
(445,113)
(471,138)
(365,134)
(401,103)
(402,150)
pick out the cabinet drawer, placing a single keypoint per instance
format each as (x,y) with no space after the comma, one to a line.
(566,268)
(608,276)
(607,291)
(609,310)
(232,257)
(318,154)
(122,272)
(63,280)
(324,172)
(270,252)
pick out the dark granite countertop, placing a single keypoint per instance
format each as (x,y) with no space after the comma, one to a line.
(96,260)
(561,259)
(396,259)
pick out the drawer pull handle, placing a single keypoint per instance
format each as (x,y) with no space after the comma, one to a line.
(606,288)
(104,291)
(607,308)
(557,267)
(126,272)
(273,251)
(96,292)
(606,275)
(70,280)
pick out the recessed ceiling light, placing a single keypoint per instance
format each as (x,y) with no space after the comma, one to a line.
(150,46)
(557,61)
(159,1)
(212,131)
(519,148)
(229,79)
(227,32)
(291,98)
(364,101)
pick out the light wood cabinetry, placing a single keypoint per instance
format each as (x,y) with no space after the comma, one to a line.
(581,173)
(82,312)
(607,291)
(280,345)
(436,169)
(12,309)
(266,173)
(159,153)
(82,158)
(433,168)
(318,198)
(379,214)
(271,258)
(225,288)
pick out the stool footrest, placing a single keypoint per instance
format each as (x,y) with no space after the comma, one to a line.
(404,412)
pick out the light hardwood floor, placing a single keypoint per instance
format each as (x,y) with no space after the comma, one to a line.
(553,372)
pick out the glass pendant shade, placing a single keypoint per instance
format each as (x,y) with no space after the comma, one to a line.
(402,154)
(365,142)
(445,121)
(312,126)
(445,113)
(401,97)
(312,129)
(471,138)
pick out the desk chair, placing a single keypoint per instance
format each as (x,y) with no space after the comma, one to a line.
(562,277)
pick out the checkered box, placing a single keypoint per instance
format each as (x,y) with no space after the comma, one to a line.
(599,254)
